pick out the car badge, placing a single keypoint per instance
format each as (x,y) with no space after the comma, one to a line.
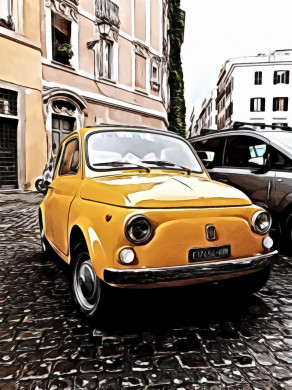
(210,233)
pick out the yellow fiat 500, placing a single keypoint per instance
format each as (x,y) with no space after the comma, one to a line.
(131,207)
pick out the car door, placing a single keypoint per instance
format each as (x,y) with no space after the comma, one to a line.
(246,167)
(61,193)
(281,164)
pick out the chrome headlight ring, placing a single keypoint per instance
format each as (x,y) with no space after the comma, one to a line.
(138,229)
(261,222)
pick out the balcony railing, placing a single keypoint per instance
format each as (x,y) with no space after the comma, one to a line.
(107,12)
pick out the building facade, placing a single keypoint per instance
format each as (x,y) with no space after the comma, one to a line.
(256,89)
(22,131)
(103,61)
(207,117)
(74,63)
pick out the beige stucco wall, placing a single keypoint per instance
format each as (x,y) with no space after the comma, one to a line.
(88,6)
(98,113)
(22,64)
(35,137)
(140,19)
(126,16)
(86,34)
(156,24)
(125,62)
(31,19)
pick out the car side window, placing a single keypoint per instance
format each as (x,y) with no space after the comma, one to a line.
(279,161)
(210,151)
(244,152)
(70,158)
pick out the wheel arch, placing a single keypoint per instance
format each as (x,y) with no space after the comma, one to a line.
(76,236)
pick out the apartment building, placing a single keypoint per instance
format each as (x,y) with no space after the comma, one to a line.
(103,61)
(256,89)
(207,116)
(67,64)
(22,131)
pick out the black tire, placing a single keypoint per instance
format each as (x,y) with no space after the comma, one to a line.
(88,290)
(248,284)
(286,239)
(47,250)
(40,186)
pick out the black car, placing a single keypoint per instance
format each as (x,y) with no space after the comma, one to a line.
(259,163)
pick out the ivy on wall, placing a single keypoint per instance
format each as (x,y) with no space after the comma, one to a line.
(177,109)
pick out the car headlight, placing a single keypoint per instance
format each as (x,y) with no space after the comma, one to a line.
(261,222)
(138,229)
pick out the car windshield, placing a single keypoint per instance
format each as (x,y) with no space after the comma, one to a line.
(284,137)
(108,150)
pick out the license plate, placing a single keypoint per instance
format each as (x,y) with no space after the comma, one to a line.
(211,253)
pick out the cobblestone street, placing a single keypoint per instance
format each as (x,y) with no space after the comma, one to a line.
(188,338)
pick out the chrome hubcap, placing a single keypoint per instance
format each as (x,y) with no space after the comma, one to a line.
(86,285)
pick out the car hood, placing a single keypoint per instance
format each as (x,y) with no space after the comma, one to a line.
(161,191)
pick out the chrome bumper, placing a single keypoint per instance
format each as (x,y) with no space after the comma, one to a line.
(195,272)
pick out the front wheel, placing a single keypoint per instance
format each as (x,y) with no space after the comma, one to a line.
(88,289)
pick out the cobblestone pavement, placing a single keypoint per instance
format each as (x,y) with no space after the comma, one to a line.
(193,338)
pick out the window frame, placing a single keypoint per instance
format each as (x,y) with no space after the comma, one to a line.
(63,154)
(227,145)
(285,104)
(278,77)
(258,77)
(262,104)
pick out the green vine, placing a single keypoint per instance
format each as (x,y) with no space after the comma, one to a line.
(177,112)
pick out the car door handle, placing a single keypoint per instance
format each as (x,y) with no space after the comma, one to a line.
(223,180)
(279,180)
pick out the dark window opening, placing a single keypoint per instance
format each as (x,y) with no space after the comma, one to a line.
(257,104)
(8,153)
(280,104)
(61,39)
(281,77)
(8,102)
(258,78)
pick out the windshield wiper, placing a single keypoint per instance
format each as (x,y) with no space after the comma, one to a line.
(121,163)
(161,163)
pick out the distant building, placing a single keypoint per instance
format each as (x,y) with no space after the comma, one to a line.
(207,116)
(256,89)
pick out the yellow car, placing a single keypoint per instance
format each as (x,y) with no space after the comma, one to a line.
(131,207)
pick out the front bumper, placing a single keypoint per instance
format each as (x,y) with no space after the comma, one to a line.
(197,273)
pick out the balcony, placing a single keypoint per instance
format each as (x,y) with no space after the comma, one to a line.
(107,12)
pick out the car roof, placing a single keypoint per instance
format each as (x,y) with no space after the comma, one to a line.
(111,127)
(244,130)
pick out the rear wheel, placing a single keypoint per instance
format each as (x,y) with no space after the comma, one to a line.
(286,241)
(46,247)
(88,289)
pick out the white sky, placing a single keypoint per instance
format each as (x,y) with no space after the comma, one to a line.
(216,30)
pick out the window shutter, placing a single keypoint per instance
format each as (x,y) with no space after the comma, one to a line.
(260,77)
(286,104)
(287,76)
(263,104)
(255,78)
(275,78)
(251,105)
(274,103)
